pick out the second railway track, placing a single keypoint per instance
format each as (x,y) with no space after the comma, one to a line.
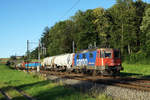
(125,82)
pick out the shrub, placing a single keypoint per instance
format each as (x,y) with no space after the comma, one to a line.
(140,57)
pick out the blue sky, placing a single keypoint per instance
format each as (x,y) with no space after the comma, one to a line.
(22,20)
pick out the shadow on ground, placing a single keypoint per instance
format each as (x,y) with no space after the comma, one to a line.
(53,93)
(146,77)
(125,74)
(138,76)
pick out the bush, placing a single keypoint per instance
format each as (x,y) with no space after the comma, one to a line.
(139,58)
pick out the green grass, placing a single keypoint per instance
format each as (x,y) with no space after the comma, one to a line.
(15,94)
(136,70)
(42,89)
(38,87)
(2,97)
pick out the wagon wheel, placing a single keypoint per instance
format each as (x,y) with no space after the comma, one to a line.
(69,71)
(76,71)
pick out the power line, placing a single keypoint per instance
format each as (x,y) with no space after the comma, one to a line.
(70,9)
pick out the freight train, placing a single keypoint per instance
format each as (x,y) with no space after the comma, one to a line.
(95,61)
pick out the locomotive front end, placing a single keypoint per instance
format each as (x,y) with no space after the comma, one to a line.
(112,60)
(109,60)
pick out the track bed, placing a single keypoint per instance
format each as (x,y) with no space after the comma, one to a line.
(126,82)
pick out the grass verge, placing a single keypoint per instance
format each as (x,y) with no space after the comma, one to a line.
(136,70)
(38,87)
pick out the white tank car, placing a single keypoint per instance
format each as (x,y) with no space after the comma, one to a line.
(70,60)
(59,60)
(47,62)
(64,60)
(44,62)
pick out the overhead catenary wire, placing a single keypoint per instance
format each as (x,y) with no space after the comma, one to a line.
(75,4)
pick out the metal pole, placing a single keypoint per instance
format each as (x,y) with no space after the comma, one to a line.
(73,46)
(45,50)
(94,44)
(27,55)
(38,67)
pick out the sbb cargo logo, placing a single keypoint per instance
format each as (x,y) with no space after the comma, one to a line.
(82,62)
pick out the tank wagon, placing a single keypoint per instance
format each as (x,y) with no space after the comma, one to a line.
(97,61)
(60,62)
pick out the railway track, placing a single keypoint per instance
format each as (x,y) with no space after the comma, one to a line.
(125,82)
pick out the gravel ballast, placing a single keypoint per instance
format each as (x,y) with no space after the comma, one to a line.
(113,91)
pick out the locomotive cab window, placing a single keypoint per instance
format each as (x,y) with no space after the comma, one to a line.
(116,54)
(83,56)
(106,54)
(91,55)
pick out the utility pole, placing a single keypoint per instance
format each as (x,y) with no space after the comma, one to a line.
(28,55)
(43,49)
(38,67)
(27,48)
(94,44)
(73,46)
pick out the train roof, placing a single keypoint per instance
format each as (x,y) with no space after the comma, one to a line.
(89,50)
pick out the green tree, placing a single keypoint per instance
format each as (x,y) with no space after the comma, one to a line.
(145,28)
(126,19)
(85,32)
(120,26)
(61,38)
(103,24)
